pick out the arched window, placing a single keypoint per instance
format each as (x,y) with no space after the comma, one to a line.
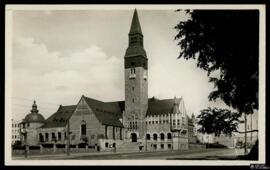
(40,137)
(83,128)
(169,136)
(148,136)
(155,136)
(47,137)
(162,136)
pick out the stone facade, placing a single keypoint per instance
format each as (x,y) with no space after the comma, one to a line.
(32,134)
(94,129)
(136,81)
(136,123)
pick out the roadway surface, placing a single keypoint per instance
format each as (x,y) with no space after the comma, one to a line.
(205,154)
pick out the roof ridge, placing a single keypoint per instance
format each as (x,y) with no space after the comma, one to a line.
(89,98)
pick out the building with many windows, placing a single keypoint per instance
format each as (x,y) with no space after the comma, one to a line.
(137,123)
(15,131)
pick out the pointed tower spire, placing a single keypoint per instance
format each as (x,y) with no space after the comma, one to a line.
(135,24)
(135,36)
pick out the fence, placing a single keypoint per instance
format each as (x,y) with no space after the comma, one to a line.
(52,150)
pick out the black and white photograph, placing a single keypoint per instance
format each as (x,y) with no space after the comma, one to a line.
(135,84)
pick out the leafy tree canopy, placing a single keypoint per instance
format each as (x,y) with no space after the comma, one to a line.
(225,41)
(218,121)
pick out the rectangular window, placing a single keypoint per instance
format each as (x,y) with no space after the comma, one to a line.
(153,122)
(53,136)
(59,136)
(46,136)
(156,122)
(173,122)
(113,132)
(178,122)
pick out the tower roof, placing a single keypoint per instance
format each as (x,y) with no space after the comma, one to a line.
(34,116)
(135,24)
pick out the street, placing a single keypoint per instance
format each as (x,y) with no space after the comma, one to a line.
(207,154)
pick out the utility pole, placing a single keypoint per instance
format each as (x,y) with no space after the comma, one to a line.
(26,145)
(245,134)
(178,139)
(146,122)
(251,129)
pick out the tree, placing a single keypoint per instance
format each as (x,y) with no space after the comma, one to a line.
(218,121)
(225,41)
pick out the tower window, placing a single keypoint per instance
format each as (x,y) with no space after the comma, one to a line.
(133,100)
(133,88)
(132,73)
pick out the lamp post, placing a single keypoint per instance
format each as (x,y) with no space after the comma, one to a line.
(146,122)
(24,133)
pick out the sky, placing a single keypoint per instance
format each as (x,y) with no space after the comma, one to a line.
(58,56)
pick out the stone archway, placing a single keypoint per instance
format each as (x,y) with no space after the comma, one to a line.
(133,137)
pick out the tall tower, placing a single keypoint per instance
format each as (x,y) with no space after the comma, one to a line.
(136,80)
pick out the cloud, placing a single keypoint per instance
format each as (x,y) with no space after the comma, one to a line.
(52,77)
(48,76)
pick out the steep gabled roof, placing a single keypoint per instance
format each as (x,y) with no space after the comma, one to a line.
(159,107)
(106,113)
(60,118)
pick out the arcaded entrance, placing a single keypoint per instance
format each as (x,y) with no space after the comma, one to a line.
(133,137)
